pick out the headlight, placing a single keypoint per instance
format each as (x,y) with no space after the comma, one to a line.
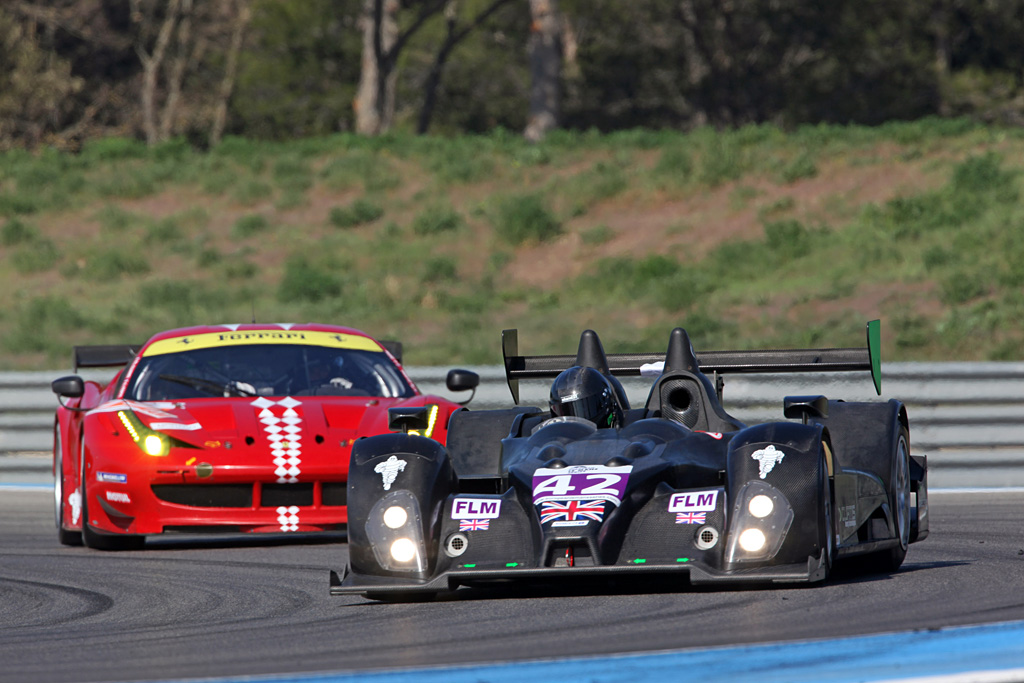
(394,529)
(403,550)
(761,506)
(151,442)
(760,521)
(395,517)
(752,540)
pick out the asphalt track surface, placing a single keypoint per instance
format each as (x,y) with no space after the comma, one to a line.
(188,607)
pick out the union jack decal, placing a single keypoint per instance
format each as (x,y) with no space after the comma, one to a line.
(572,510)
(691,517)
(474,524)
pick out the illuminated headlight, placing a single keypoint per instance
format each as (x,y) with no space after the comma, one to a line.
(394,529)
(151,442)
(761,506)
(403,550)
(395,517)
(752,540)
(760,520)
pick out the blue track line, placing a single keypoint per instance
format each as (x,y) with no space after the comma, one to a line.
(992,653)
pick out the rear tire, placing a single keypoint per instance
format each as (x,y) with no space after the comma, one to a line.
(827,518)
(889,561)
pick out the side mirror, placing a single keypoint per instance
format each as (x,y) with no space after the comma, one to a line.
(71,386)
(408,418)
(805,407)
(463,380)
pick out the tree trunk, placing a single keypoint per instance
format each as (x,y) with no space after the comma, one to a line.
(151,65)
(375,98)
(227,84)
(452,39)
(545,53)
(177,72)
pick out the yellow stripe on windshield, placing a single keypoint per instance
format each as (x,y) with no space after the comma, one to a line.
(208,340)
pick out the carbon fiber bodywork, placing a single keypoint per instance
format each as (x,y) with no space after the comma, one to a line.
(665,493)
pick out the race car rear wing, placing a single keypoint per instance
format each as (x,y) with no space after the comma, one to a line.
(104,356)
(518,367)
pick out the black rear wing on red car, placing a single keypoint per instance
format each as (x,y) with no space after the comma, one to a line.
(106,356)
(518,367)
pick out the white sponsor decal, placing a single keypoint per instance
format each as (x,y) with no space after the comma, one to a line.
(476,508)
(284,434)
(693,501)
(118,497)
(767,459)
(389,469)
(288,517)
(580,482)
(153,410)
(75,501)
(166,426)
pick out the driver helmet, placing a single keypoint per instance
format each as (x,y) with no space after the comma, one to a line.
(587,393)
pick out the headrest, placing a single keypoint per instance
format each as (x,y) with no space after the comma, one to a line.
(680,355)
(591,353)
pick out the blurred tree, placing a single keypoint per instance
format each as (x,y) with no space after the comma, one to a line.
(298,69)
(545,50)
(454,34)
(34,86)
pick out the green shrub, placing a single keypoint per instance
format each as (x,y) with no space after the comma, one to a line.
(16,232)
(292,174)
(960,287)
(359,212)
(440,269)
(113,218)
(249,225)
(209,257)
(41,324)
(721,161)
(18,204)
(803,166)
(788,238)
(599,234)
(113,149)
(36,256)
(302,281)
(525,218)
(163,231)
(171,295)
(982,174)
(112,264)
(436,219)
(675,166)
(252,191)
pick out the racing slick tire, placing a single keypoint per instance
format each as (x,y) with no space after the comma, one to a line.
(888,561)
(100,541)
(65,536)
(827,519)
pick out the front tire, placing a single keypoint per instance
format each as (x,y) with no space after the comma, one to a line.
(65,536)
(100,541)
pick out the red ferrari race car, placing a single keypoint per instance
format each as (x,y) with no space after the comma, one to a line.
(228,428)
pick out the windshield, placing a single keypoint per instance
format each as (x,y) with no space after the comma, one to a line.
(266,370)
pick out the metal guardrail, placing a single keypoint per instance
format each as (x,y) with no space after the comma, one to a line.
(968,417)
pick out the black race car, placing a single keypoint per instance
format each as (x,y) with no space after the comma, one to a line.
(591,487)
